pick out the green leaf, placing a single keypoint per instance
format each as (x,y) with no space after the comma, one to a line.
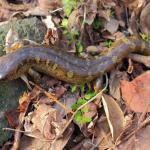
(79,47)
(73,88)
(86,119)
(80,119)
(64,23)
(75,33)
(74,107)
(89,95)
(78,104)
(69,5)
(78,116)
(97,24)
(81,101)
(145,37)
(84,110)
(108,43)
(82,87)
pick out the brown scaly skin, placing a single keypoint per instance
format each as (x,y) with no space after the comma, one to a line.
(65,66)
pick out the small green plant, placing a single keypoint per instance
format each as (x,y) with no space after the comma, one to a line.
(108,43)
(69,5)
(73,88)
(112,12)
(145,37)
(97,25)
(79,115)
(72,36)
(79,47)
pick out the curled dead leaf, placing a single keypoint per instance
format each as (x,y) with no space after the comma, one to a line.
(45,120)
(115,116)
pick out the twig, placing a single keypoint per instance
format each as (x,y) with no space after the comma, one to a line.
(70,120)
(15,130)
(58,9)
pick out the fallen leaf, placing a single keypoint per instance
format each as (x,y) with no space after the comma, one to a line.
(12,42)
(139,141)
(136,93)
(141,59)
(59,91)
(48,82)
(114,83)
(112,25)
(68,99)
(45,122)
(28,143)
(48,5)
(51,35)
(114,114)
(102,133)
(73,21)
(12,117)
(92,49)
(145,19)
(23,102)
(88,112)
(5,14)
(85,144)
(89,11)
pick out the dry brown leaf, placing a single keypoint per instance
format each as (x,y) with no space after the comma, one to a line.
(73,21)
(145,19)
(59,91)
(48,5)
(114,83)
(104,14)
(12,117)
(47,82)
(28,143)
(23,102)
(102,133)
(46,120)
(85,144)
(139,141)
(114,114)
(136,93)
(89,11)
(12,41)
(5,14)
(68,99)
(51,35)
(92,49)
(112,25)
(141,59)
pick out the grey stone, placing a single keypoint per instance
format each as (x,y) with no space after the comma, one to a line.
(33,29)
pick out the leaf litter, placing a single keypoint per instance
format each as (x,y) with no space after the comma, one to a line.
(54,114)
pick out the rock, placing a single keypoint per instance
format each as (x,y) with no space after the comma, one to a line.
(10,92)
(32,29)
